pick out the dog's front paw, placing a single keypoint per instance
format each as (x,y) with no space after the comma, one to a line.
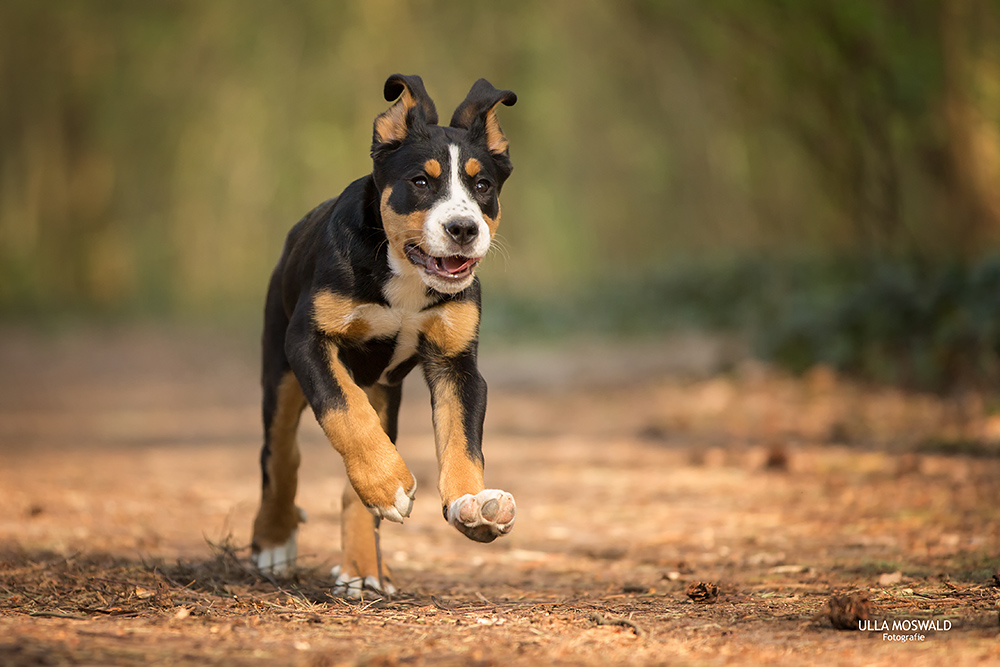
(485,516)
(386,489)
(401,506)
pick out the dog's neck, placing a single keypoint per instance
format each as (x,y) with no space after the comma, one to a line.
(405,290)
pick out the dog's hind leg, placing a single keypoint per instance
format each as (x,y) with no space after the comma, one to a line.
(362,566)
(274,529)
(276,524)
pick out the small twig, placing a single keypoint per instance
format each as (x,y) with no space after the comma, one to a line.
(176,584)
(600,619)
(117,613)
(57,614)
(440,605)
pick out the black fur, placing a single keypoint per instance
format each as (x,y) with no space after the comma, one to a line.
(342,248)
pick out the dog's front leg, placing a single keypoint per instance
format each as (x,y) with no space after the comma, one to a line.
(362,566)
(458,399)
(374,468)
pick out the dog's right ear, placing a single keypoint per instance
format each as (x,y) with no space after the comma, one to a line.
(413,109)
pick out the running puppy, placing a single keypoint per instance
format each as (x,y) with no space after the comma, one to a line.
(371,284)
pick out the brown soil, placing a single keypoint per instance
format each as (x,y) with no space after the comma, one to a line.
(674,507)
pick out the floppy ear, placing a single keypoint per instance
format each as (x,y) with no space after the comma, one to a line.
(477,114)
(413,108)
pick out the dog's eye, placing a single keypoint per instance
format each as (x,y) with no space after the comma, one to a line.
(482,187)
(420,182)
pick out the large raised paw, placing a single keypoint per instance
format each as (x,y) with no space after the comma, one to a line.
(485,516)
(354,586)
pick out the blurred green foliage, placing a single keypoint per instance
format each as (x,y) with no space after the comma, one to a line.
(932,327)
(672,158)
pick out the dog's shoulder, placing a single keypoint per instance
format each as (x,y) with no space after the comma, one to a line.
(334,247)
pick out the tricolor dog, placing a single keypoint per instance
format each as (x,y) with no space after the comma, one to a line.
(370,285)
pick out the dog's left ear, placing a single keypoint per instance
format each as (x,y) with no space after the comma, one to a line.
(413,109)
(477,114)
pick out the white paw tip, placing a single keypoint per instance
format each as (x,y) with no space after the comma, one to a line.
(401,508)
(277,559)
(392,514)
(353,587)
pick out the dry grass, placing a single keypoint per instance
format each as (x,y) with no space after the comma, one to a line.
(631,494)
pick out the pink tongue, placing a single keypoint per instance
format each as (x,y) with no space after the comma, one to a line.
(455,264)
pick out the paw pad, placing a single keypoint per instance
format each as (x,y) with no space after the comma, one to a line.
(485,516)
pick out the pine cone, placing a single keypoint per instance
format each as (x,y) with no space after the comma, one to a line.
(703,591)
(846,610)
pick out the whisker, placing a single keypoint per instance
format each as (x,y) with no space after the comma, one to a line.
(401,237)
(499,247)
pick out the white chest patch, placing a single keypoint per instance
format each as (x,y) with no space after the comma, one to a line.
(404,318)
(450,327)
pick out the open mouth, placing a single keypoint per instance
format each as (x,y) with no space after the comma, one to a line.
(454,267)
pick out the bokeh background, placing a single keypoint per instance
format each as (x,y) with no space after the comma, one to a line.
(742,330)
(821,177)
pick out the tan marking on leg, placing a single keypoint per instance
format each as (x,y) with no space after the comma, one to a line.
(433,168)
(361,555)
(278,517)
(472,166)
(380,402)
(458,473)
(452,326)
(373,466)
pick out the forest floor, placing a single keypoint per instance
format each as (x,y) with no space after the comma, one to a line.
(677,503)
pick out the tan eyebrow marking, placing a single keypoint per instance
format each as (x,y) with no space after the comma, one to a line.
(472,166)
(433,168)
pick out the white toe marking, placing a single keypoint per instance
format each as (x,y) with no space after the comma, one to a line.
(401,508)
(277,559)
(404,500)
(392,514)
(354,587)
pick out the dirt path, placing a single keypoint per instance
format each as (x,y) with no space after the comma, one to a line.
(639,474)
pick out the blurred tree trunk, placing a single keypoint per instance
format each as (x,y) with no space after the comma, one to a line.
(970,39)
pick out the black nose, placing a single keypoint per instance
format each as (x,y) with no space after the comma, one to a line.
(462,230)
